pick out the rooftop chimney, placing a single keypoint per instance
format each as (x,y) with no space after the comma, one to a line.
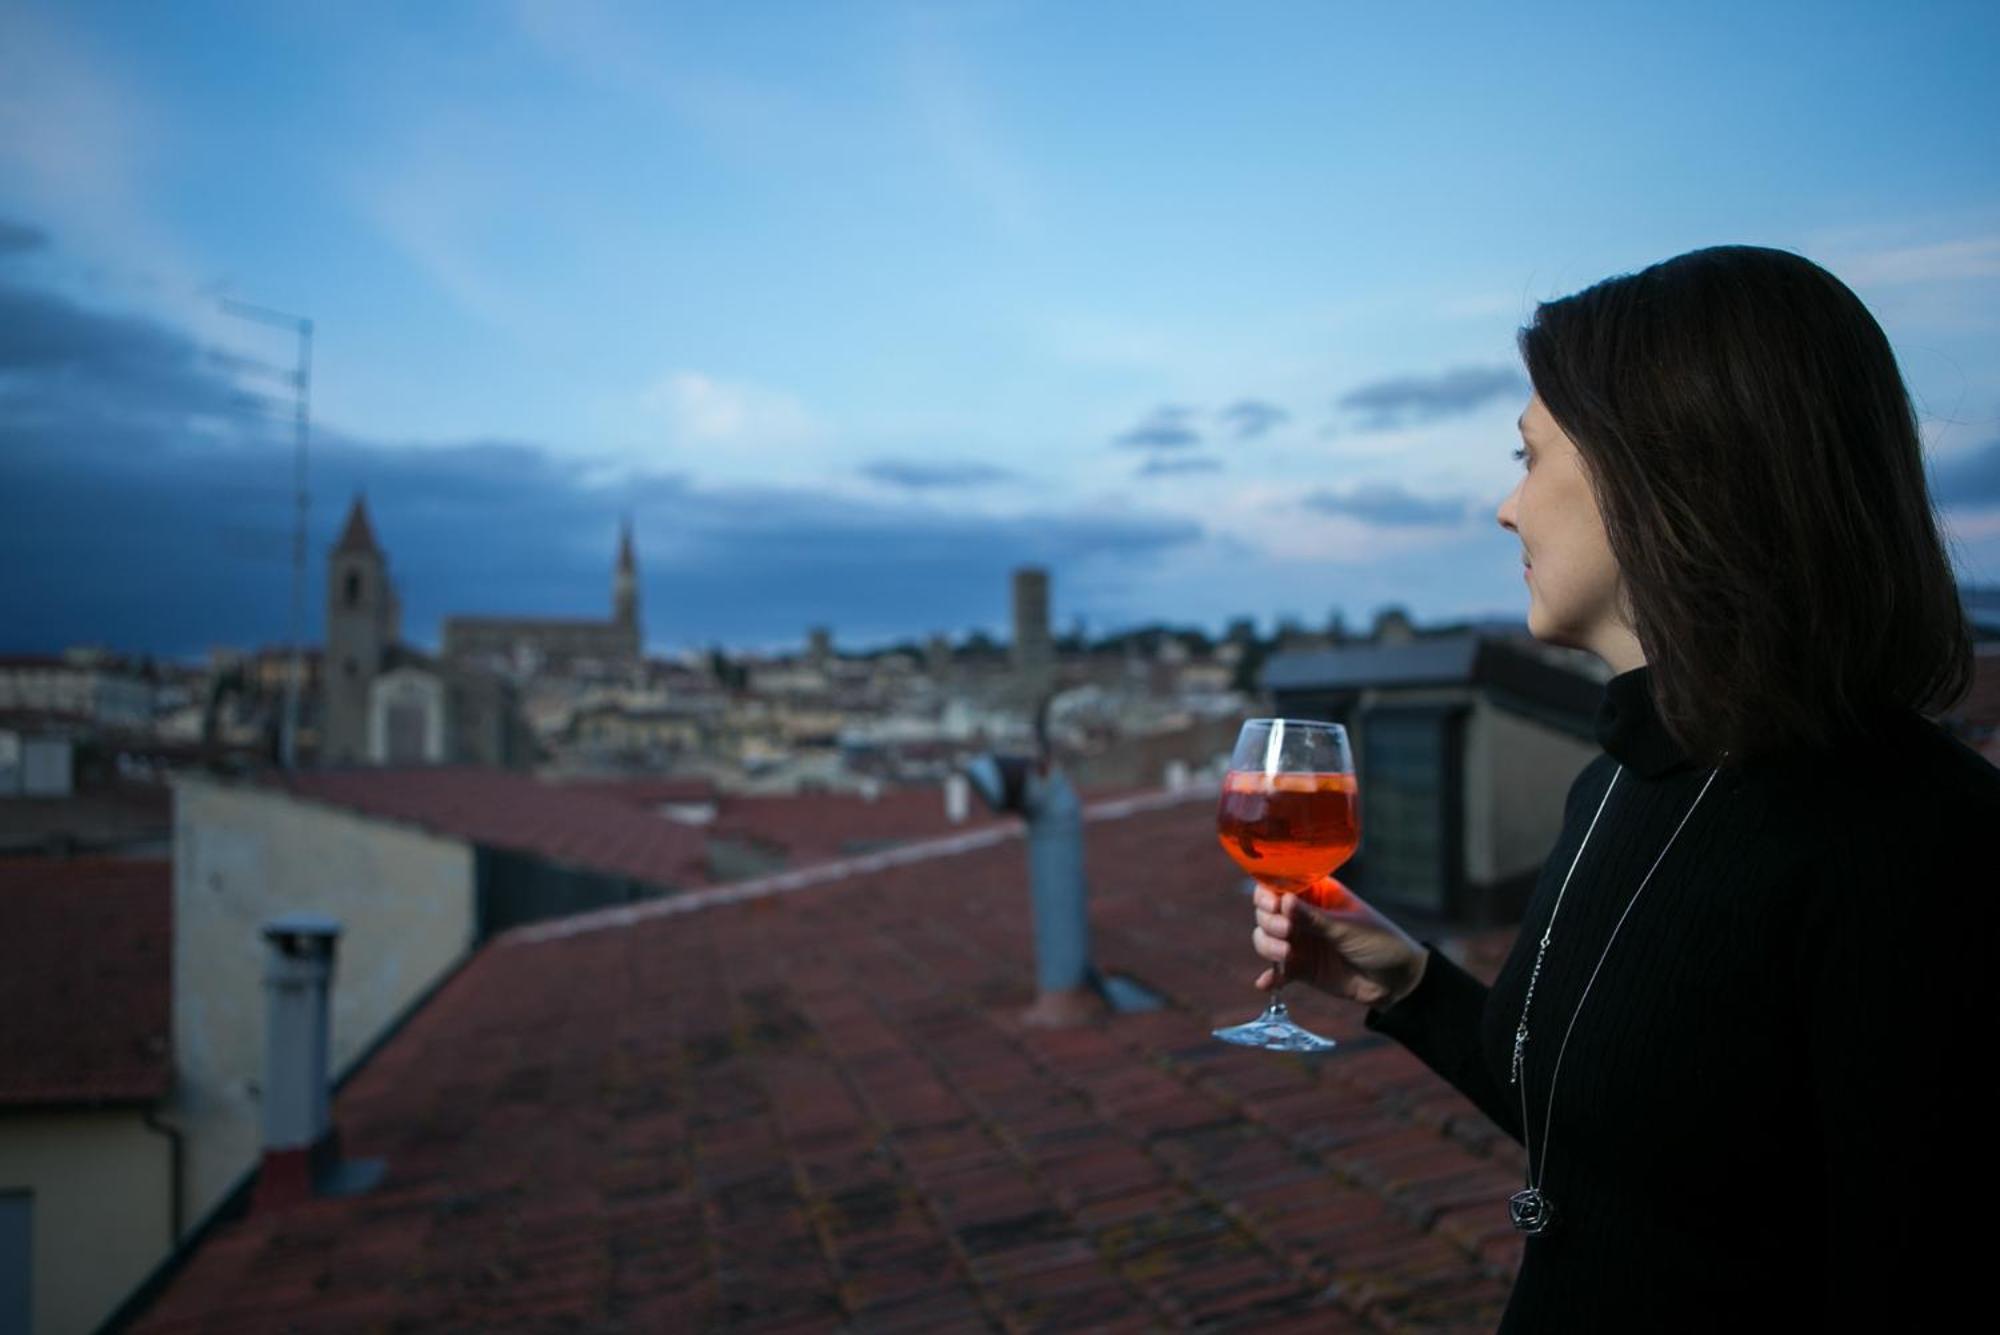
(1069,990)
(301,1148)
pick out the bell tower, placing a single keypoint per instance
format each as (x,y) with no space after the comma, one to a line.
(361,616)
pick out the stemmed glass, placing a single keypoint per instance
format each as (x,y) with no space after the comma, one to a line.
(1290,814)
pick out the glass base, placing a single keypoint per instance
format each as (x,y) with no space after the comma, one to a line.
(1275,1031)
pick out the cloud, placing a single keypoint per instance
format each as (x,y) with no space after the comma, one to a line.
(1970,478)
(948,106)
(1389,505)
(700,409)
(1401,401)
(1939,262)
(79,146)
(918,475)
(19,238)
(1165,466)
(1250,418)
(139,508)
(63,359)
(1166,429)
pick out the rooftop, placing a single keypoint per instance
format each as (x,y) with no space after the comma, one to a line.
(809,1104)
(564,824)
(815,826)
(116,815)
(86,958)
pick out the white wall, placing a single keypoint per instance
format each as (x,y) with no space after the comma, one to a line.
(244,855)
(407,688)
(1517,772)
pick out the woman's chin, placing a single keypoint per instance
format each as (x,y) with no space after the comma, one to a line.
(1552,635)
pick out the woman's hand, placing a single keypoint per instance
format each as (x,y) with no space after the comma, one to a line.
(1346,950)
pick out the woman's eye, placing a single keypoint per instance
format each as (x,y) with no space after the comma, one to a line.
(1521,457)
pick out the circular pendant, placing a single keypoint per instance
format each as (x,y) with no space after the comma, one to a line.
(1531,1211)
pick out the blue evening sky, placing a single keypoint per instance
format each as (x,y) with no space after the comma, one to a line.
(853,307)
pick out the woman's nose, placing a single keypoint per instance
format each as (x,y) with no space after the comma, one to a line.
(1505,514)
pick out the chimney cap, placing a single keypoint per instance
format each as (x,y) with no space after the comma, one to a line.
(309,930)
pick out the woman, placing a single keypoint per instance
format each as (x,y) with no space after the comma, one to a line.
(1737,1029)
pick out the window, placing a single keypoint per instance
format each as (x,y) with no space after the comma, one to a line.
(352,591)
(1403,834)
(17,1260)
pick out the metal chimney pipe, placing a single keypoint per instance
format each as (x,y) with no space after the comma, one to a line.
(1067,987)
(957,799)
(299,1142)
(1055,869)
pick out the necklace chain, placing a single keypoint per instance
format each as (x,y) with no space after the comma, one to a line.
(1532,1212)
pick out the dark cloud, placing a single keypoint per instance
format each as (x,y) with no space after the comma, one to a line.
(1167,429)
(1407,400)
(1972,478)
(72,360)
(1249,418)
(920,476)
(1388,505)
(139,509)
(1165,466)
(19,238)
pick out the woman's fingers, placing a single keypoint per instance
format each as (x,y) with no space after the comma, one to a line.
(1265,979)
(1269,946)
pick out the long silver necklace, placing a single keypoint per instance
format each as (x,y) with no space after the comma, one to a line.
(1530,1210)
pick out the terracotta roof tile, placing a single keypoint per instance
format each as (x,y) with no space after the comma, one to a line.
(818,1109)
(813,827)
(86,958)
(567,825)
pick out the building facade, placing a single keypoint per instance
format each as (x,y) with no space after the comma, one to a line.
(1465,746)
(385,703)
(523,646)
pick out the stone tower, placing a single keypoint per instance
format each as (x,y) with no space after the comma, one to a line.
(361,617)
(1034,653)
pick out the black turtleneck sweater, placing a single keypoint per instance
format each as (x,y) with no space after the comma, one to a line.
(1767,1115)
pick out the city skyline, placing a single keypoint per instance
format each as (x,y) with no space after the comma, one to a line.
(857,309)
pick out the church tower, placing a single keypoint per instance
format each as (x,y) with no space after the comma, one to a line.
(625,590)
(361,617)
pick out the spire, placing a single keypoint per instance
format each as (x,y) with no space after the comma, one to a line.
(625,584)
(358,535)
(626,564)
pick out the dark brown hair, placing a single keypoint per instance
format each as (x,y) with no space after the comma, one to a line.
(1754,454)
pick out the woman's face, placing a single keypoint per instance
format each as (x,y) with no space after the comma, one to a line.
(1574,596)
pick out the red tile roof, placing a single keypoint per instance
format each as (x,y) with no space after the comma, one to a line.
(818,1109)
(86,966)
(813,827)
(500,809)
(648,793)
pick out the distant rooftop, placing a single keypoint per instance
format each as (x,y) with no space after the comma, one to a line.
(86,958)
(1530,673)
(563,824)
(1982,608)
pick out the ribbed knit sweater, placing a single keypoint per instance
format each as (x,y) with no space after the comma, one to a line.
(1766,1116)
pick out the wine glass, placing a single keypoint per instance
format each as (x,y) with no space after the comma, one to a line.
(1290,814)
